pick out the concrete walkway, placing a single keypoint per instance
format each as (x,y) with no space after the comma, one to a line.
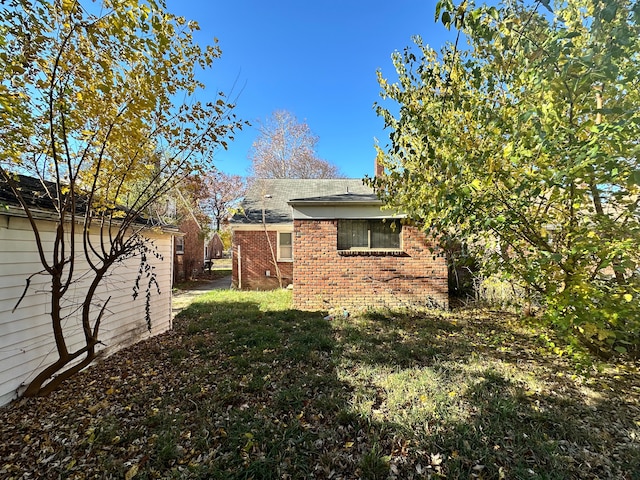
(184,298)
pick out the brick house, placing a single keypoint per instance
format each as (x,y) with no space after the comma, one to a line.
(331,240)
(189,251)
(215,247)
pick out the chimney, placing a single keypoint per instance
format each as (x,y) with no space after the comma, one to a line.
(378,168)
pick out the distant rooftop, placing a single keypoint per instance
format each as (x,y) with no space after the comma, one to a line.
(275,195)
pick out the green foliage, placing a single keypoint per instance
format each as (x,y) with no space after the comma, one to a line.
(92,94)
(374,465)
(98,102)
(524,145)
(226,237)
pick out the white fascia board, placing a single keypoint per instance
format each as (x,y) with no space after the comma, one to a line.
(330,212)
(278,227)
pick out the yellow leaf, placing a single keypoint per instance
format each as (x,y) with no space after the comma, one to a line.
(627,297)
(133,471)
(67,5)
(348,445)
(603,334)
(507,150)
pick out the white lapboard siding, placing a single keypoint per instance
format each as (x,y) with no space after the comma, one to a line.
(26,335)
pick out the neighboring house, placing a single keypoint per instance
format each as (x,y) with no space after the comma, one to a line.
(214,248)
(189,253)
(26,335)
(331,240)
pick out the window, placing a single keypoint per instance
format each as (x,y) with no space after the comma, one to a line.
(369,235)
(285,246)
(179,245)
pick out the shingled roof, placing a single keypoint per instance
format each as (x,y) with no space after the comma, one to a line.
(40,195)
(274,195)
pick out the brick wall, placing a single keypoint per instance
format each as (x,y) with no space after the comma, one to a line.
(323,278)
(257,259)
(187,265)
(216,248)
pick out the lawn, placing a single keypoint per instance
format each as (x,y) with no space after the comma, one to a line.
(245,387)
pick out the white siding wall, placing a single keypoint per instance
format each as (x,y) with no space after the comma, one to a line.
(26,336)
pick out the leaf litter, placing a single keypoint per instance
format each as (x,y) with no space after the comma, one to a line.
(248,388)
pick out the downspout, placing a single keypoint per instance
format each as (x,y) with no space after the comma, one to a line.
(173,267)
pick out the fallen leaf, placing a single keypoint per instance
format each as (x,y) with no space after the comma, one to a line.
(132,472)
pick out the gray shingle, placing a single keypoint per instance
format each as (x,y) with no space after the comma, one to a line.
(273,196)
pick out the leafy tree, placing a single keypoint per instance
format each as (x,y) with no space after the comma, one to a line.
(227,238)
(525,146)
(219,194)
(286,148)
(97,102)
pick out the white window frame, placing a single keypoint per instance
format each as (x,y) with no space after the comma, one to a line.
(280,257)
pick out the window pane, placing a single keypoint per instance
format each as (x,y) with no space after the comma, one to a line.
(285,239)
(286,253)
(385,234)
(286,247)
(353,234)
(179,245)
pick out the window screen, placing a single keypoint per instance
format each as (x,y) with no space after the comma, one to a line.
(385,234)
(368,234)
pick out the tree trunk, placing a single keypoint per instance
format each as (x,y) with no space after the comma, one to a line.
(49,379)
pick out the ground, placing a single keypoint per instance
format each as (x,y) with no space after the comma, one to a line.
(185,293)
(245,387)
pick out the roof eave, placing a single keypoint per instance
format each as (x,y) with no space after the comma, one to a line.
(294,203)
(48,215)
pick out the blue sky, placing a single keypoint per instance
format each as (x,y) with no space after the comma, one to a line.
(316,59)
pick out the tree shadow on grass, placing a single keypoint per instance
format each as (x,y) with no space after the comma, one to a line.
(395,394)
(241,389)
(482,393)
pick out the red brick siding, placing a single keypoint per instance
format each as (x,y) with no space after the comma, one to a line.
(323,279)
(257,259)
(216,248)
(192,261)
